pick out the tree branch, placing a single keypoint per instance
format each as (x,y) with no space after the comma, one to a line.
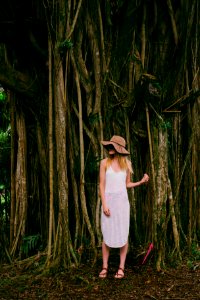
(17,81)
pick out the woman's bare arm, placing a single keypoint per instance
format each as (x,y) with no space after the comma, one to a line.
(102,184)
(130,184)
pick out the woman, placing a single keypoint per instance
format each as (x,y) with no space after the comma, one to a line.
(115,178)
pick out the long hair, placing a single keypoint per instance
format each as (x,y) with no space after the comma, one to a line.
(124,162)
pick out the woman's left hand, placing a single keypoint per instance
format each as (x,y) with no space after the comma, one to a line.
(145,178)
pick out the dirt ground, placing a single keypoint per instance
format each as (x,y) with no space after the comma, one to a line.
(140,282)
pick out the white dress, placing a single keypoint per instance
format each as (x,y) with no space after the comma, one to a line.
(115,228)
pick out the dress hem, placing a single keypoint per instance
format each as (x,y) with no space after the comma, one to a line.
(115,246)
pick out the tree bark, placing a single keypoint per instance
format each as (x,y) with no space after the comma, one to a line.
(82,164)
(50,138)
(20,183)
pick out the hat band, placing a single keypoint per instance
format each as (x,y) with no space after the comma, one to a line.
(119,144)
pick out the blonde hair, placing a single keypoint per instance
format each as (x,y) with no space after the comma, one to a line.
(124,162)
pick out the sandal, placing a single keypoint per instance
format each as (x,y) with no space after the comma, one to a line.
(119,275)
(103,274)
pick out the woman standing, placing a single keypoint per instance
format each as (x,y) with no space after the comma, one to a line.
(115,178)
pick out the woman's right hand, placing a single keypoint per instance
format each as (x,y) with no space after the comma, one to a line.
(106,211)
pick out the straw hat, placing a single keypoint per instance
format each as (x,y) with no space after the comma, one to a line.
(118,143)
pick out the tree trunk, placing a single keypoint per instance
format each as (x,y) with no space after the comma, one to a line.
(21,183)
(82,164)
(50,138)
(13,163)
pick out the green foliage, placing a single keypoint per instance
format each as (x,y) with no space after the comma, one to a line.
(4,160)
(2,96)
(3,200)
(2,187)
(30,244)
(166,125)
(194,257)
(64,46)
(195,251)
(94,119)
(190,264)
(4,137)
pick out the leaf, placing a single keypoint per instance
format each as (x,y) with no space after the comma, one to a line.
(2,96)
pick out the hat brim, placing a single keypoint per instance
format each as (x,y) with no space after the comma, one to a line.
(119,149)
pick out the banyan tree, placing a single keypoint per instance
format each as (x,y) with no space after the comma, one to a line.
(77,72)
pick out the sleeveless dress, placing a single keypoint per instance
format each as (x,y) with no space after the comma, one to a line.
(115,228)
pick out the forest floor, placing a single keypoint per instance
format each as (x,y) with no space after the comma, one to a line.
(140,282)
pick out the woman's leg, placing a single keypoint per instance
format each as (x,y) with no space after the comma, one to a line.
(105,254)
(123,253)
